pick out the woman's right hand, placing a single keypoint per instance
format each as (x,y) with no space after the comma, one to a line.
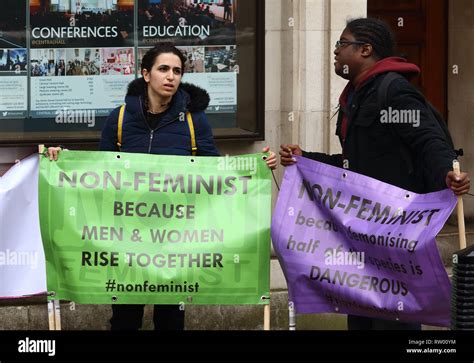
(53,153)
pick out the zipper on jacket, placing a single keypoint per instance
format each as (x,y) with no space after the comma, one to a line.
(149,128)
(146,123)
(151,141)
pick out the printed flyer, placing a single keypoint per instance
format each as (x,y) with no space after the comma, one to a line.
(205,32)
(13,60)
(82,57)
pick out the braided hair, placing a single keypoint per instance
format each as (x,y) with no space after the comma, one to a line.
(375,32)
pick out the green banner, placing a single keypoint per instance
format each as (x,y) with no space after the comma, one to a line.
(149,229)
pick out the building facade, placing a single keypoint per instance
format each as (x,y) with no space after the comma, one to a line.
(301,96)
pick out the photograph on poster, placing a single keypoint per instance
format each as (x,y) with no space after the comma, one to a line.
(13,24)
(12,62)
(221,59)
(141,53)
(60,60)
(194,59)
(83,62)
(48,62)
(186,22)
(117,61)
(92,45)
(65,23)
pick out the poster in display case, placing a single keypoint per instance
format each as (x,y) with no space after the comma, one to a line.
(66,64)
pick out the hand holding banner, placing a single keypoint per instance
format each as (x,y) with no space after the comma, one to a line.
(351,244)
(147,229)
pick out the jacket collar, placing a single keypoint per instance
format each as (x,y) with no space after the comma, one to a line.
(390,64)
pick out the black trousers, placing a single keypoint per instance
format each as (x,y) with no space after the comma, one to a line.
(130,317)
(363,323)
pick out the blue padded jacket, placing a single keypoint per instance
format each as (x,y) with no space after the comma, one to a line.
(172,135)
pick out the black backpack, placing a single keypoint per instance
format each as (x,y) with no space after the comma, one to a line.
(382,102)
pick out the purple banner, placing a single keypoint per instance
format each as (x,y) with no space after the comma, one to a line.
(351,244)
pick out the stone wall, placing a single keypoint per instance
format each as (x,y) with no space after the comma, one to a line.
(461,85)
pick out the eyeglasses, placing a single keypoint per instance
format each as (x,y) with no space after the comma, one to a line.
(342,43)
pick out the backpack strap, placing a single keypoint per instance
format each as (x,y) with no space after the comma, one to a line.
(382,91)
(382,103)
(120,127)
(191,132)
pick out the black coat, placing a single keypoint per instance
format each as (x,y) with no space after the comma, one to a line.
(412,158)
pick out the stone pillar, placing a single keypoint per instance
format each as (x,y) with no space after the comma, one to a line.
(301,88)
(460,86)
(301,84)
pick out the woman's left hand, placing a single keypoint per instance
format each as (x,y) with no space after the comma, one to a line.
(271,159)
